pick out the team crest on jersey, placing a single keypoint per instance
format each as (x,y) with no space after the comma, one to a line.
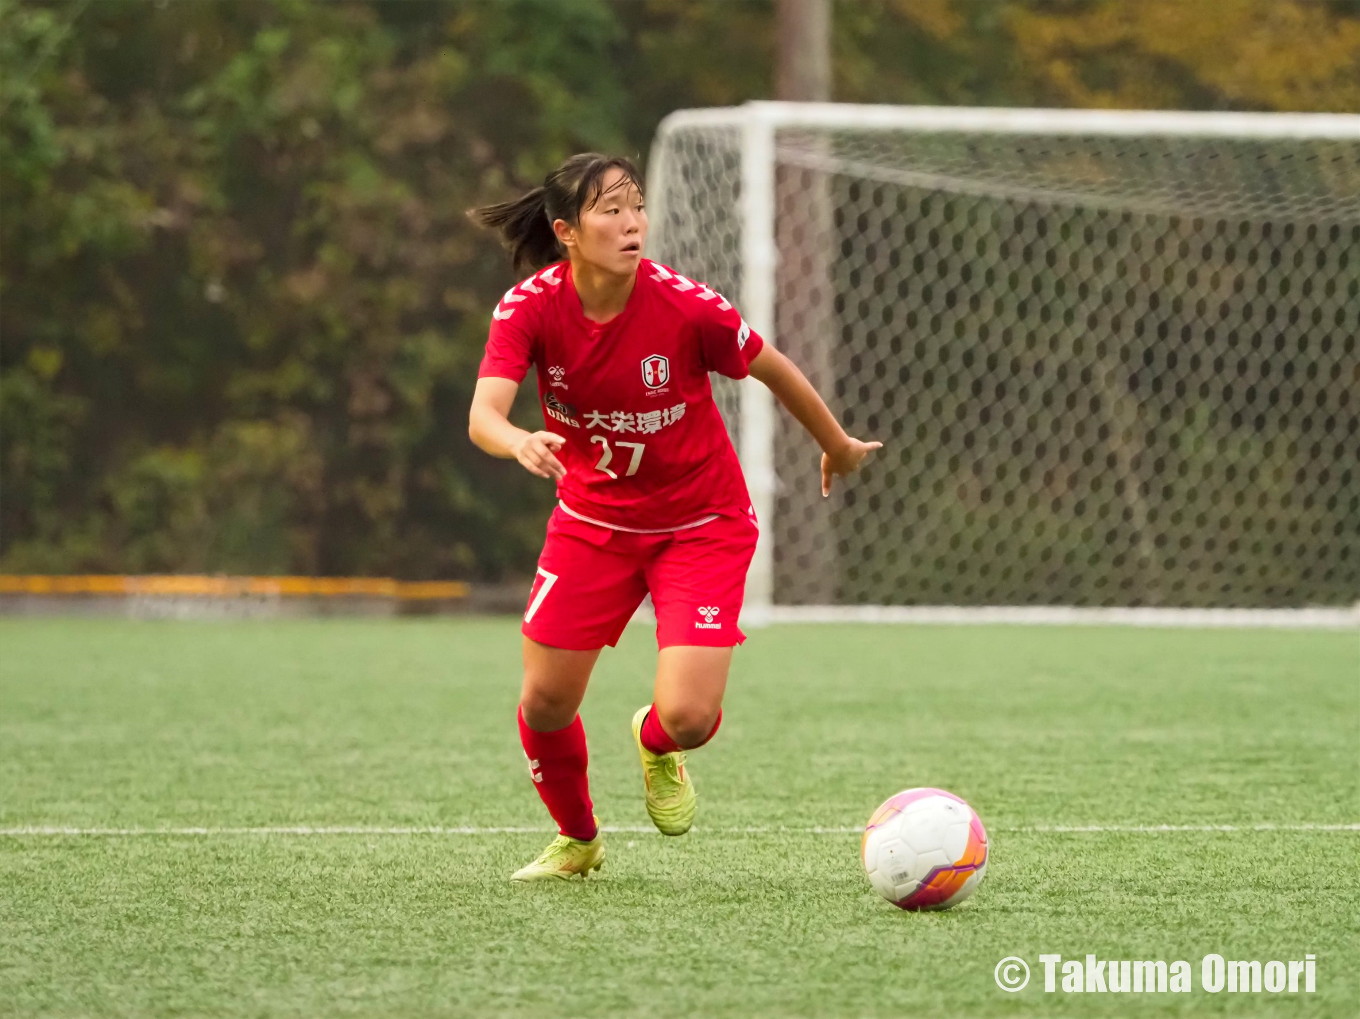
(656,371)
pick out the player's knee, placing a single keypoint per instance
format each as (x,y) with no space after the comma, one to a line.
(545,712)
(689,726)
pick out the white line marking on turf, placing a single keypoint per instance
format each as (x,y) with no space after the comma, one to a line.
(1040,829)
(1155,828)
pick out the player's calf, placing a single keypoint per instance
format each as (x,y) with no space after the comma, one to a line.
(558,764)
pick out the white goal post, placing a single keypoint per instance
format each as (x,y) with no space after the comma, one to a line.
(1112,354)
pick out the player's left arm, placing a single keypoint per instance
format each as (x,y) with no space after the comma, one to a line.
(841,453)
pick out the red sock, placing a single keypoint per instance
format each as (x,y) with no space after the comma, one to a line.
(656,739)
(557,761)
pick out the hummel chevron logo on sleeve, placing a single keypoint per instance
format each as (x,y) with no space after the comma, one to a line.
(706,293)
(512,297)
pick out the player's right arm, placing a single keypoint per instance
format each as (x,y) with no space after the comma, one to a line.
(510,346)
(490,429)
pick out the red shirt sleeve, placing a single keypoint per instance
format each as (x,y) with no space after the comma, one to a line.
(727,344)
(510,342)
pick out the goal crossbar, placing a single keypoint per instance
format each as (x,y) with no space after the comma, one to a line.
(1004,120)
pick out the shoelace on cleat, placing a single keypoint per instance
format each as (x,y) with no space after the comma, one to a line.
(557,849)
(667,768)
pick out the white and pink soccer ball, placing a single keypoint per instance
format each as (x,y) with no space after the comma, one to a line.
(924,849)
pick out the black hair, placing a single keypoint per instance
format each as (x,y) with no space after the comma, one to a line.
(525,224)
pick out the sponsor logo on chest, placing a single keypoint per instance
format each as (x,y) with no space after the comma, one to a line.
(559,411)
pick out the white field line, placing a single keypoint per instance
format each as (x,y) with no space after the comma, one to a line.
(40,831)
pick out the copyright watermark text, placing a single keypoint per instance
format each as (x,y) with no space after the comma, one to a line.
(1157,976)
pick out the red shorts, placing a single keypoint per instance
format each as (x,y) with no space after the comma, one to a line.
(591,579)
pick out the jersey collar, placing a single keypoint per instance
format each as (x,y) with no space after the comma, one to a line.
(597,329)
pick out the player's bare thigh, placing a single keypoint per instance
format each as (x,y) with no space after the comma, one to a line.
(555,682)
(690,682)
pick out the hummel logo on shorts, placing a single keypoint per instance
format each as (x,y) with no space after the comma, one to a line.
(708,612)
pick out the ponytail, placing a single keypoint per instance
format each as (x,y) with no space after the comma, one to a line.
(526,224)
(524,227)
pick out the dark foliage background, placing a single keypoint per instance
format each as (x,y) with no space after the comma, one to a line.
(241,308)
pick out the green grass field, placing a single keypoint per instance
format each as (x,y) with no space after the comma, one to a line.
(391,724)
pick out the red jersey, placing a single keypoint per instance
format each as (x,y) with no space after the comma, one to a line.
(646,449)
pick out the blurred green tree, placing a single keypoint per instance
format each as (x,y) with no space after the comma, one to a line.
(242,305)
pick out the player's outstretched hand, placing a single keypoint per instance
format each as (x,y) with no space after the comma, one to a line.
(844,460)
(535,451)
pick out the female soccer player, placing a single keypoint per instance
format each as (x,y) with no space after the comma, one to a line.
(650,493)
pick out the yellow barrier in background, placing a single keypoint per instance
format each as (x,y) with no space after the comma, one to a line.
(178,585)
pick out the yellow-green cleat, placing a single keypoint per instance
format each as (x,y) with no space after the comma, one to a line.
(670,791)
(565,858)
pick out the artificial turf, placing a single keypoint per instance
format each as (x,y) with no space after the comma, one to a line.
(379,724)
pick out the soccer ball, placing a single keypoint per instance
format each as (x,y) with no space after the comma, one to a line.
(924,849)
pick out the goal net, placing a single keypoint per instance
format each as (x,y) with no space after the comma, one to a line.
(1112,356)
